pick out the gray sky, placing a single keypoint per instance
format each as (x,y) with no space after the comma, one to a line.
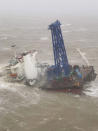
(49,6)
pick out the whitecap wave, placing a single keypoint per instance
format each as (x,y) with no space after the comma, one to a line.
(68,24)
(25,96)
(66,31)
(44,38)
(92,90)
(5,49)
(7,86)
(4,38)
(81,40)
(82,29)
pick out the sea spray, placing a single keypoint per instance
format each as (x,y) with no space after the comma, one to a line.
(83,57)
(30,67)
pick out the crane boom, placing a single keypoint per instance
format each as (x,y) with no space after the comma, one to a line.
(60,56)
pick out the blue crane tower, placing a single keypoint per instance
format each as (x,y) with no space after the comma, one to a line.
(60,56)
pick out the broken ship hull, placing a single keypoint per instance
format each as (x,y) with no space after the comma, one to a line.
(72,83)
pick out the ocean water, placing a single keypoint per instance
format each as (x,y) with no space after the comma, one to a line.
(24,108)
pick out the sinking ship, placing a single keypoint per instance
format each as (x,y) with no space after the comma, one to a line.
(62,76)
(24,68)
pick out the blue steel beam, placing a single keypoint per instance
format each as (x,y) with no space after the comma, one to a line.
(60,56)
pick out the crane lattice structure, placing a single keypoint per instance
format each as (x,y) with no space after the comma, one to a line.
(60,56)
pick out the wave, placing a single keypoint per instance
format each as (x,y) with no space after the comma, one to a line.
(5,49)
(92,90)
(4,38)
(68,24)
(44,38)
(66,31)
(25,96)
(82,29)
(81,40)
